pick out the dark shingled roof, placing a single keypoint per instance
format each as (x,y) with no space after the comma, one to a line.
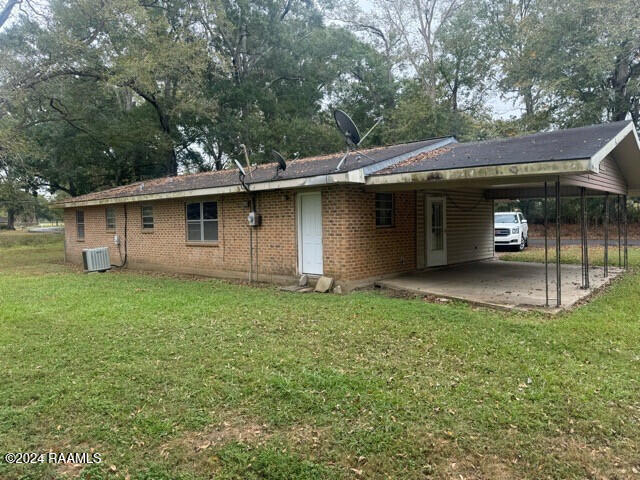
(300,168)
(570,144)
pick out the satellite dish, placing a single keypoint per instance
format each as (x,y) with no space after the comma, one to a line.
(351,134)
(242,172)
(347,127)
(241,175)
(279,159)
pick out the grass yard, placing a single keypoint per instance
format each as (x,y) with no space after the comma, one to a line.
(178,378)
(573,254)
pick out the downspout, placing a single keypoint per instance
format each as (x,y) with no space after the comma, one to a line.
(124,262)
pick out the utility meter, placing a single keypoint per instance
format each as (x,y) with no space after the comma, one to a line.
(254,219)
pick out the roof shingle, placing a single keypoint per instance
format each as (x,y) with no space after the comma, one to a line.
(300,168)
(570,144)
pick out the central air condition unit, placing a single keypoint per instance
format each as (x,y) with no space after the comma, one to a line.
(96,259)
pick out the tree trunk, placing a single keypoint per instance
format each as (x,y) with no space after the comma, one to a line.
(527,95)
(621,77)
(11,219)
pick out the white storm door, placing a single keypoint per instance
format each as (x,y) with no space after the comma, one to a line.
(436,241)
(310,233)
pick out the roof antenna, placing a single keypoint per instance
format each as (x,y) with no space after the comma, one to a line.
(246,157)
(279,159)
(241,175)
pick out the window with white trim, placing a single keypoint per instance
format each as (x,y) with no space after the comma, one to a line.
(202,222)
(80,224)
(147,217)
(384,209)
(110,216)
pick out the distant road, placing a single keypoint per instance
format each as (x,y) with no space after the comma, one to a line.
(45,229)
(539,242)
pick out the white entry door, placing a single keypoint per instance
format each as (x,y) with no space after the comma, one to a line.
(310,233)
(436,231)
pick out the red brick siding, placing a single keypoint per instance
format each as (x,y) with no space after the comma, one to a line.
(354,248)
(166,247)
(352,245)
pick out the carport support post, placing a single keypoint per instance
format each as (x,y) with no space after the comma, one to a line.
(546,248)
(582,236)
(558,272)
(586,238)
(606,235)
(626,233)
(619,218)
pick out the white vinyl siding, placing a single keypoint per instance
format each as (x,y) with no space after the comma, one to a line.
(469,226)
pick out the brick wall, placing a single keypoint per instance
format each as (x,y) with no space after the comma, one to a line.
(166,248)
(352,245)
(354,248)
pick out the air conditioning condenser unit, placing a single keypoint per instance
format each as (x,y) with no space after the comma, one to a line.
(96,259)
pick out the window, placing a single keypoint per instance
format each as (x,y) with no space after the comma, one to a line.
(110,214)
(506,218)
(202,222)
(80,224)
(147,218)
(384,209)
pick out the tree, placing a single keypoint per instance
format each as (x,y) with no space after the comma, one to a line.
(515,29)
(593,61)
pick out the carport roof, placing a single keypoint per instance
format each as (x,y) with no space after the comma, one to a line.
(570,144)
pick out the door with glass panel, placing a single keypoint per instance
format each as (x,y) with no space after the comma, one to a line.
(436,231)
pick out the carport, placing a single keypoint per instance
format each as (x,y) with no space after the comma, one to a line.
(496,283)
(598,161)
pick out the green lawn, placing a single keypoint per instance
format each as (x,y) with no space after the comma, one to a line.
(573,255)
(177,378)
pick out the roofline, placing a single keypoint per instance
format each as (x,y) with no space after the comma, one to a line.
(601,154)
(356,176)
(553,167)
(376,167)
(352,176)
(364,175)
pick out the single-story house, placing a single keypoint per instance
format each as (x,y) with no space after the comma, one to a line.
(385,211)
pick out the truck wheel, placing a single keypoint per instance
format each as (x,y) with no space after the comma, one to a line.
(523,243)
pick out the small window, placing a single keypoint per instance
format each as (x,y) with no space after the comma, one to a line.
(147,217)
(202,222)
(110,214)
(384,209)
(80,224)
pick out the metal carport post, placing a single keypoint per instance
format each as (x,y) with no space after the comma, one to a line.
(606,235)
(585,237)
(626,234)
(558,269)
(546,248)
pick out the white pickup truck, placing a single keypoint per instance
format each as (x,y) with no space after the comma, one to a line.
(511,230)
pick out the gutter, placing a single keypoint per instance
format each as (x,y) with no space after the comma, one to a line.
(352,177)
(487,172)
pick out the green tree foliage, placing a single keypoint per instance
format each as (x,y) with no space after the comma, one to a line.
(98,93)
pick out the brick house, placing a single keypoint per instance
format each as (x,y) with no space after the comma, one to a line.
(385,211)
